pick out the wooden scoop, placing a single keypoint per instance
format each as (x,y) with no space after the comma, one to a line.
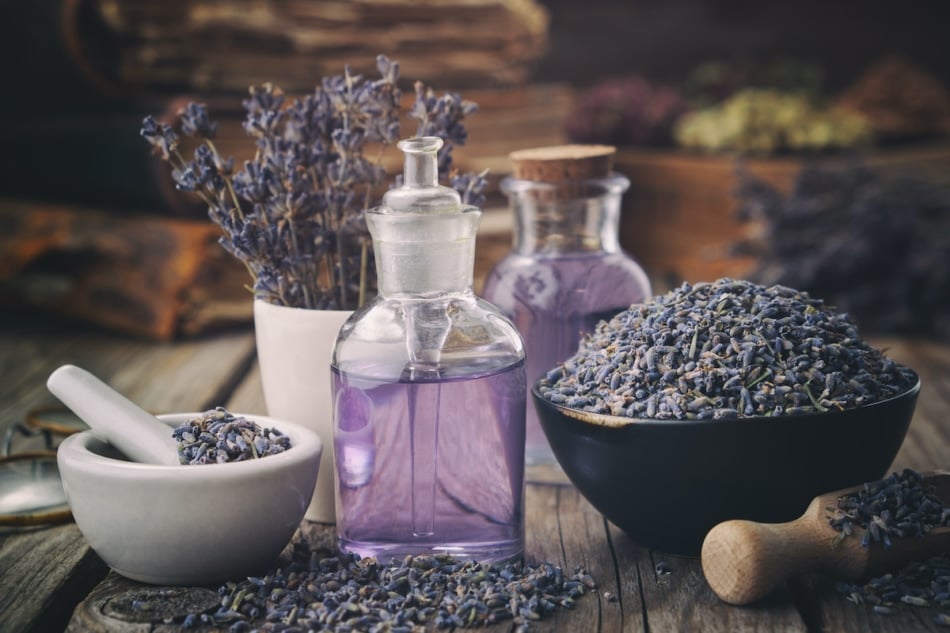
(743,560)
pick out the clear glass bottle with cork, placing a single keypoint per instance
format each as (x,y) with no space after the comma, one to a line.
(429,389)
(566,270)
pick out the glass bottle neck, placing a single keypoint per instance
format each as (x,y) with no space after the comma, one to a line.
(424,237)
(574,217)
(420,169)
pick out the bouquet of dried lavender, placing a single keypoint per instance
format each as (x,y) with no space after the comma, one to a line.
(294,214)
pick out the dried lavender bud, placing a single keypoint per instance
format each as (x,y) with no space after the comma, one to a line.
(470,186)
(725,349)
(202,173)
(160,136)
(217,437)
(324,591)
(923,584)
(899,506)
(195,121)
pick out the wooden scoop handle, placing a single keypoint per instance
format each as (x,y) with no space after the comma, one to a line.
(743,560)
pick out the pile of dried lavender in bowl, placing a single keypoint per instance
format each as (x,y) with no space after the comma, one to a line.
(723,350)
(217,436)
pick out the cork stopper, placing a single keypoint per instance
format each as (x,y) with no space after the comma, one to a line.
(560,163)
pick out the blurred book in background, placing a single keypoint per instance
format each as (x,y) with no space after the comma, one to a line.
(85,73)
(216,46)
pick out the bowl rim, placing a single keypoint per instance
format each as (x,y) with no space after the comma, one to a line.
(607,421)
(75,452)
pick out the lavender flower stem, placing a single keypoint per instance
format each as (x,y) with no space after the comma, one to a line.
(305,288)
(341,257)
(227,179)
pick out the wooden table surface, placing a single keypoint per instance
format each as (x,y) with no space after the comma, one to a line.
(50,580)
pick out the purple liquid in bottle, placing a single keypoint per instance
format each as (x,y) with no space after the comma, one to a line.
(431,466)
(565,273)
(555,300)
(429,389)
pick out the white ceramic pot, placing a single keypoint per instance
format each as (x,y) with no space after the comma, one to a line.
(293,348)
(189,525)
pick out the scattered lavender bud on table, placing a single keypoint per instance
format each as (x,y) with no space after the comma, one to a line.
(327,591)
(924,584)
(724,350)
(217,436)
(901,505)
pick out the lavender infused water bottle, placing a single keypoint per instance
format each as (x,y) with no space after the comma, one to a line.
(429,389)
(566,270)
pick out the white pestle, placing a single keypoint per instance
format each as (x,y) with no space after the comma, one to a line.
(112,416)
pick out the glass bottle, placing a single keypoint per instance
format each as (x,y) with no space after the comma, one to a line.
(429,389)
(566,270)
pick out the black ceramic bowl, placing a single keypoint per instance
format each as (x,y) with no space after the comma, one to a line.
(667,482)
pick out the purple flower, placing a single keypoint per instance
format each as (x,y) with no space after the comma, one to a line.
(161,136)
(195,121)
(444,117)
(471,187)
(294,214)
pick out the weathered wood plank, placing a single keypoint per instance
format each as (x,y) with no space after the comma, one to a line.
(248,396)
(110,607)
(683,601)
(44,573)
(161,377)
(837,615)
(563,529)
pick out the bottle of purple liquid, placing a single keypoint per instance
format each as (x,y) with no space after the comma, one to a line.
(566,271)
(429,389)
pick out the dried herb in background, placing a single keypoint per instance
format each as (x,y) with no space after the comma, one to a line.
(902,101)
(712,82)
(767,121)
(628,111)
(876,247)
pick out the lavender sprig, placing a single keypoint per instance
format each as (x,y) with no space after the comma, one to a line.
(444,117)
(293,214)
